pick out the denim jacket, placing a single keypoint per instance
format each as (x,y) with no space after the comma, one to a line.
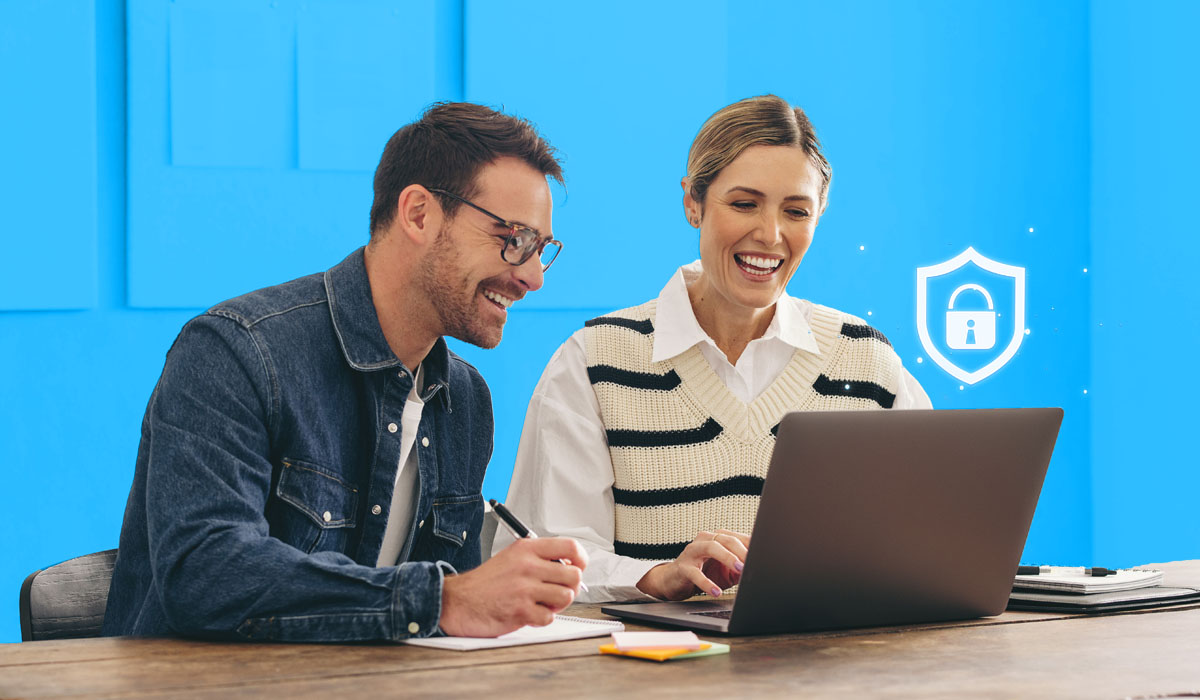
(264,477)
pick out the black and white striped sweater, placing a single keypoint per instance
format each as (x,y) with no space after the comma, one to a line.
(687,454)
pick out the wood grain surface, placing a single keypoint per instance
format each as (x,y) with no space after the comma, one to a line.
(1147,654)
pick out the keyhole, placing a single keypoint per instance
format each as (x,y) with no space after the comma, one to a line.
(970,332)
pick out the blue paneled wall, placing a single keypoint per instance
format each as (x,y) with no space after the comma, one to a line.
(1145,249)
(48,147)
(254,128)
(161,156)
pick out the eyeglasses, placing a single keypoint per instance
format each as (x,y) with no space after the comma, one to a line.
(522,242)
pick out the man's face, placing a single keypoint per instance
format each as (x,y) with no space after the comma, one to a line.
(469,285)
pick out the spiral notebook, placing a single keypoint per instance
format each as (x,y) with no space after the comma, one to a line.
(1073,579)
(562,629)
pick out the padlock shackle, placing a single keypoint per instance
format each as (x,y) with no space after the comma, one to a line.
(974,287)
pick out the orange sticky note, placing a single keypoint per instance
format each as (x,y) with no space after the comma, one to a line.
(651,654)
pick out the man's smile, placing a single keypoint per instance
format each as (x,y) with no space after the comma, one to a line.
(498,298)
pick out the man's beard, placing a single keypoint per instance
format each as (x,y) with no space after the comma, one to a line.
(449,290)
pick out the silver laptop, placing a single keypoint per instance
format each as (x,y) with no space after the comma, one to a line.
(882,518)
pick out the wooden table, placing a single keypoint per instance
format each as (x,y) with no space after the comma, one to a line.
(1035,655)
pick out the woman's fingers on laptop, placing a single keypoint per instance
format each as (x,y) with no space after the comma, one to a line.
(735,542)
(702,583)
(709,564)
(742,537)
(713,561)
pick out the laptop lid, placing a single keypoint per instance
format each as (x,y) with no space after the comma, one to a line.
(887,517)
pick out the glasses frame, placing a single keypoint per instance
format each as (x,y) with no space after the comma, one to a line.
(513,230)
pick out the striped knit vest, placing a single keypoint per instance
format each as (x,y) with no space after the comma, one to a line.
(687,454)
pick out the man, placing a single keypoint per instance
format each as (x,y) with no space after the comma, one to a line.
(312,456)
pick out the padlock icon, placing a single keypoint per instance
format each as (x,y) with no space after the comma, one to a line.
(971,330)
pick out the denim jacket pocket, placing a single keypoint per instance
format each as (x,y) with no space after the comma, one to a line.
(456,521)
(323,507)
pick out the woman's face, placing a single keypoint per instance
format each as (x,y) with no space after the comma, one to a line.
(758,221)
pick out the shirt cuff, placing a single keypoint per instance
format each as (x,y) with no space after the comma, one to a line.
(417,605)
(620,583)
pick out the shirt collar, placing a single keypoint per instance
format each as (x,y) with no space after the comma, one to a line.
(357,326)
(676,328)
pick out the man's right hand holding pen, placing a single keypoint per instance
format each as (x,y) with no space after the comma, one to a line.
(526,583)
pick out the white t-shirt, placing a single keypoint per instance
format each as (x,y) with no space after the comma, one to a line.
(405,494)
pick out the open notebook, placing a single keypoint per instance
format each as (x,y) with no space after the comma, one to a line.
(563,628)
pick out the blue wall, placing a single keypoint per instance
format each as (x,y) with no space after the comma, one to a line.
(1144,239)
(161,156)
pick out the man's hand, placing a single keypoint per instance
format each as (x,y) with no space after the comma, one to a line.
(523,584)
(709,564)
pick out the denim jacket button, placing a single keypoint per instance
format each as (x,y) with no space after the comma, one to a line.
(464,534)
(424,442)
(392,427)
(327,516)
(421,524)
(413,628)
(376,510)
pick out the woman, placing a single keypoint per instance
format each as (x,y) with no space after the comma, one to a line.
(649,434)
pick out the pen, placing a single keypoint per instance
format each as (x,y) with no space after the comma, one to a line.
(518,529)
(1035,570)
(1032,570)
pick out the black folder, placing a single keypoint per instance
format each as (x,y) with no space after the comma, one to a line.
(1091,603)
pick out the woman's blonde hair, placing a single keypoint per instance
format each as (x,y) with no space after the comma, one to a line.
(766,120)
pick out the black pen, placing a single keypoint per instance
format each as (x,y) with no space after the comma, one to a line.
(1093,571)
(1032,570)
(518,529)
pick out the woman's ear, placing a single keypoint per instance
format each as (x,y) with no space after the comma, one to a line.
(691,210)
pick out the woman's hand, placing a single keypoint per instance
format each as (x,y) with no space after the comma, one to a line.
(709,564)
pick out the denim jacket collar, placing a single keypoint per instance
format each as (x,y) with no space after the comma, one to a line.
(360,335)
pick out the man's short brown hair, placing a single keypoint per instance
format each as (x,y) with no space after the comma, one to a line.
(446,148)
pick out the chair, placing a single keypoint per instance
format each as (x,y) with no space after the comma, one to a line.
(67,600)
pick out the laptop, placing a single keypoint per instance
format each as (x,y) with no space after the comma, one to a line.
(874,518)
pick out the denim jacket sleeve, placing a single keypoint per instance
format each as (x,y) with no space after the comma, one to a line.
(216,570)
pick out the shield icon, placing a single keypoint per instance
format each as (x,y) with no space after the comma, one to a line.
(972,350)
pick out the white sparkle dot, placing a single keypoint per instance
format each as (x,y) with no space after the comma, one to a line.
(1026,331)
(920,360)
(868,313)
(1031,230)
(847,387)
(1085,391)
(862,247)
(960,387)
(1085,269)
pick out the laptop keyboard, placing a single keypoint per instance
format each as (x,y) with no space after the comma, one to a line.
(722,614)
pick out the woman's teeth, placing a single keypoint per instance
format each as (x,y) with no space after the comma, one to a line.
(756,265)
(501,300)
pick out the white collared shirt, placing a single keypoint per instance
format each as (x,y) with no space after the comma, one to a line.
(676,330)
(563,477)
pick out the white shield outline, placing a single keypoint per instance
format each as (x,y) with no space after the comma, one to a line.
(999,268)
